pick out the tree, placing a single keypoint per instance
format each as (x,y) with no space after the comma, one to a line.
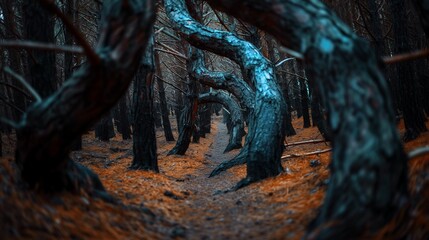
(144,136)
(265,137)
(369,171)
(411,98)
(163,102)
(42,71)
(237,129)
(48,128)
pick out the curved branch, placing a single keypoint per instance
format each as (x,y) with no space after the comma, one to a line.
(223,98)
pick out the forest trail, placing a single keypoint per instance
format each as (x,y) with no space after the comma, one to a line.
(180,202)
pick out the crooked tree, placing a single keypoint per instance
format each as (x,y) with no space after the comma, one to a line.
(369,170)
(48,128)
(265,137)
(237,129)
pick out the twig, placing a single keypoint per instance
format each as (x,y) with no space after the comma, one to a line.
(40,46)
(172,53)
(418,152)
(283,61)
(80,39)
(305,142)
(306,154)
(171,49)
(24,83)
(221,21)
(423,53)
(168,83)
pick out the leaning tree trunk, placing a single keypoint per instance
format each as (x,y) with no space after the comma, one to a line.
(144,136)
(237,129)
(265,137)
(369,171)
(48,128)
(188,117)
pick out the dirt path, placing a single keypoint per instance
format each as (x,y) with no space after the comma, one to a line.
(215,215)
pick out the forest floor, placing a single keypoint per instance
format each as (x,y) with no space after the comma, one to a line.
(180,202)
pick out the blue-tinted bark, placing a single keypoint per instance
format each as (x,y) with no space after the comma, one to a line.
(265,137)
(368,171)
(237,128)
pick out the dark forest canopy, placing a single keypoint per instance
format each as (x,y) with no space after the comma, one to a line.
(352,69)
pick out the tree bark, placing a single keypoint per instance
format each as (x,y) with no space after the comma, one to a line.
(47,130)
(163,103)
(188,117)
(369,171)
(104,129)
(304,103)
(144,136)
(39,27)
(411,98)
(265,137)
(237,130)
(124,122)
(422,8)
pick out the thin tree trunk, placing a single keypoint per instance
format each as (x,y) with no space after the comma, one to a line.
(187,119)
(124,123)
(144,136)
(163,102)
(39,27)
(304,103)
(411,99)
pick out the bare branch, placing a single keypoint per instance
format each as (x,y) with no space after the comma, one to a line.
(305,142)
(283,61)
(40,46)
(306,154)
(172,53)
(24,83)
(418,152)
(168,83)
(423,53)
(80,39)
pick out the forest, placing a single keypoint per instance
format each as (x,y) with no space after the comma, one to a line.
(214,119)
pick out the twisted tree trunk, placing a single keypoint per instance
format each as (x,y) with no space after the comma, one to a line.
(237,130)
(369,171)
(265,137)
(48,128)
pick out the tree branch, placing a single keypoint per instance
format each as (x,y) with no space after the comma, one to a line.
(423,53)
(40,46)
(18,77)
(306,154)
(418,152)
(80,39)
